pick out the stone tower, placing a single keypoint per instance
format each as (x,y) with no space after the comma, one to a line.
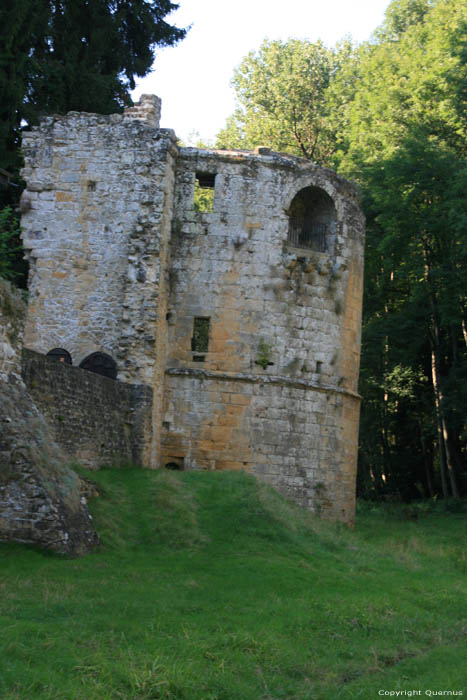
(228,281)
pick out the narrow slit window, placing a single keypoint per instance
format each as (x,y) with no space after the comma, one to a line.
(204,192)
(200,339)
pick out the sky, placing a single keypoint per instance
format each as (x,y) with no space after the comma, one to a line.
(193,78)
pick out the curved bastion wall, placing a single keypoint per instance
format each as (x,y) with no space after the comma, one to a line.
(230,282)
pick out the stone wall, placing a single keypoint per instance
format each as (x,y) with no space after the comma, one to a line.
(96,232)
(293,434)
(124,261)
(276,390)
(92,227)
(96,421)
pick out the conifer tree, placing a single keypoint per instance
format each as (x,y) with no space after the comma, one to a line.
(61,55)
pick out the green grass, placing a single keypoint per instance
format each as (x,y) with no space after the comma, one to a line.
(208,586)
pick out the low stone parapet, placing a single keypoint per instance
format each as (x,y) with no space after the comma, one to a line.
(96,421)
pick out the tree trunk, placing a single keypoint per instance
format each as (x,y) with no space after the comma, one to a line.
(445,461)
(427,461)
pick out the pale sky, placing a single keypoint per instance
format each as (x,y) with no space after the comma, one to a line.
(193,78)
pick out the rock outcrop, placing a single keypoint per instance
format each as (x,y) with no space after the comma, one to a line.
(41,499)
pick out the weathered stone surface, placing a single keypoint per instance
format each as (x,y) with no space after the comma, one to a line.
(41,500)
(95,420)
(12,318)
(278,392)
(123,262)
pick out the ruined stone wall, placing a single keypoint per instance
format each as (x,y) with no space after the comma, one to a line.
(96,228)
(122,262)
(276,391)
(95,231)
(95,420)
(42,501)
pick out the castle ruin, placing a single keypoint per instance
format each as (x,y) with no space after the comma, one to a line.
(229,282)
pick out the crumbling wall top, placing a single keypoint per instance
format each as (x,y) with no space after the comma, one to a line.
(148,109)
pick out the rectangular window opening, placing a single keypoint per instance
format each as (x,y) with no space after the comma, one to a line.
(204,192)
(206,180)
(200,339)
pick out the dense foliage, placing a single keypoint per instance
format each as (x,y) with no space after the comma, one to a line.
(62,55)
(391,115)
(286,99)
(407,146)
(11,266)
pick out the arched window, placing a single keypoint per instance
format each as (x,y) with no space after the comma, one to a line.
(312,220)
(61,355)
(100,363)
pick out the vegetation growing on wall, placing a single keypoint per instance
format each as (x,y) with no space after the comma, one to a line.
(264,355)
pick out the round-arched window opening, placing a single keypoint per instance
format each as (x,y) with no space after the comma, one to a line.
(312,220)
(100,363)
(61,355)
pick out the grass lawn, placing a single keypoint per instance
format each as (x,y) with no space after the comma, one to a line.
(209,586)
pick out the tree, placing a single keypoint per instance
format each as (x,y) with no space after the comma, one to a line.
(400,15)
(62,55)
(415,305)
(407,147)
(21,22)
(391,115)
(284,99)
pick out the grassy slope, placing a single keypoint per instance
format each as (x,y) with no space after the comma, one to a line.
(209,586)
